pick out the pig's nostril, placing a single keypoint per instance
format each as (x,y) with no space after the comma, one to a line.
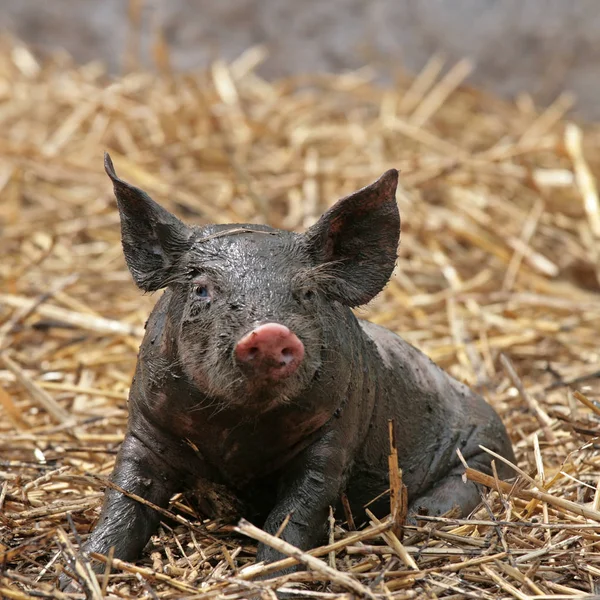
(287,355)
(252,352)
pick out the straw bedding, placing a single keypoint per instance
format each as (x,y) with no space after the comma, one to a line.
(498,280)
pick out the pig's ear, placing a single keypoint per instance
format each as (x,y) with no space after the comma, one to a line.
(358,240)
(153,239)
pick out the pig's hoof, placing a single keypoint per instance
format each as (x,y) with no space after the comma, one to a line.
(67,584)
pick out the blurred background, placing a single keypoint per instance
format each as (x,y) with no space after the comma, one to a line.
(540,46)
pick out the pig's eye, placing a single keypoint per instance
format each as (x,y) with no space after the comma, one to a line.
(309,294)
(201,292)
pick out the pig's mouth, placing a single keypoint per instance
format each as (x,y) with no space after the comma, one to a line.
(271,370)
(266,367)
(273,364)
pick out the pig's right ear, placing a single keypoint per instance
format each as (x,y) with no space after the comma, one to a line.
(357,239)
(153,239)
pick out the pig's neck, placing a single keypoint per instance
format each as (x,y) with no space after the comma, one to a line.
(222,434)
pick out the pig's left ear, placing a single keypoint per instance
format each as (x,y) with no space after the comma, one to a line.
(153,239)
(358,239)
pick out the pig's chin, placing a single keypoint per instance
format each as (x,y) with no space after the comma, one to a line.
(269,391)
(257,389)
(267,385)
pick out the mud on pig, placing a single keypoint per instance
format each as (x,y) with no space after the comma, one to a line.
(255,377)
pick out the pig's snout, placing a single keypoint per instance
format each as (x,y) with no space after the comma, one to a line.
(271,350)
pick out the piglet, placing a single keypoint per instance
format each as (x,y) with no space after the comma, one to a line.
(256,381)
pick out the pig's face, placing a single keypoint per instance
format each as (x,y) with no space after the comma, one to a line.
(253,307)
(253,320)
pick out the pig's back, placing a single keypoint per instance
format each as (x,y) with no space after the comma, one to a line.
(413,371)
(433,414)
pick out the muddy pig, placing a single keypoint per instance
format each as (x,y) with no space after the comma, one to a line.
(255,376)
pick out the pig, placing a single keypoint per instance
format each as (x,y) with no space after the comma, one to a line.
(256,379)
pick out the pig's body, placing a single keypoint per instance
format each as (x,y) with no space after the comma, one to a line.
(211,408)
(434,415)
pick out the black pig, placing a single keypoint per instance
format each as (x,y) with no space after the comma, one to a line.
(255,376)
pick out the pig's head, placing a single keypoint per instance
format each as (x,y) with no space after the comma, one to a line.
(252,308)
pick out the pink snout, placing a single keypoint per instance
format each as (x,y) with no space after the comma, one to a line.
(271,350)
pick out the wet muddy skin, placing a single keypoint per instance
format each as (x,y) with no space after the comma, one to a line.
(257,388)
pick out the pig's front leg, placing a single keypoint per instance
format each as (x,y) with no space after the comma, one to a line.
(308,487)
(124,523)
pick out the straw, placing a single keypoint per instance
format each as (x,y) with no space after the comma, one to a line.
(497,280)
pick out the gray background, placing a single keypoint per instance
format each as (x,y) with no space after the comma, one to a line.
(540,46)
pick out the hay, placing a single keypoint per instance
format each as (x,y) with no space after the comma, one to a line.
(498,281)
